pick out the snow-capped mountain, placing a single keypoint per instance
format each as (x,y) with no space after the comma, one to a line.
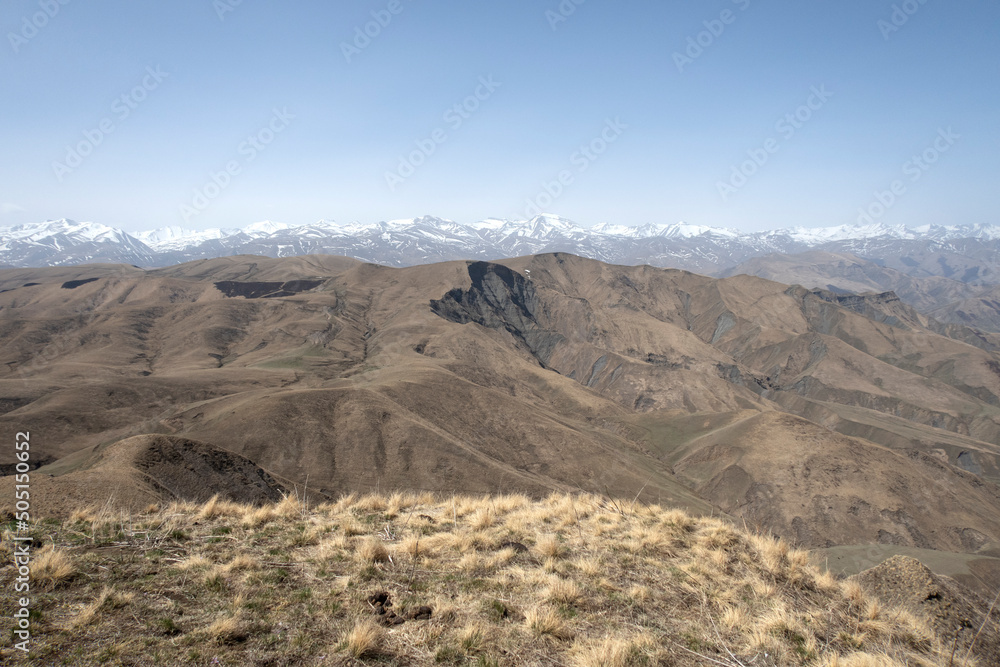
(963,252)
(59,242)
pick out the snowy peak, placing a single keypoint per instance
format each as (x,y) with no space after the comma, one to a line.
(848,232)
(682,230)
(542,227)
(264,228)
(177,238)
(70,229)
(60,242)
(408,241)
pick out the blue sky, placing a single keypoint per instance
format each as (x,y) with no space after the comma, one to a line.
(266,91)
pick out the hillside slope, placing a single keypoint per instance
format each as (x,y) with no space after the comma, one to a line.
(947,299)
(851,416)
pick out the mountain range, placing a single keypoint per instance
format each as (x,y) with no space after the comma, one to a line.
(964,253)
(949,272)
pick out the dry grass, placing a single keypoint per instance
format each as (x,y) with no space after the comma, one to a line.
(364,639)
(89,611)
(611,652)
(547,621)
(216,508)
(254,517)
(372,550)
(510,581)
(474,636)
(107,599)
(51,567)
(563,591)
(548,547)
(227,630)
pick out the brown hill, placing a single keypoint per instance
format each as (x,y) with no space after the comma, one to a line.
(844,272)
(538,373)
(145,469)
(947,300)
(981,310)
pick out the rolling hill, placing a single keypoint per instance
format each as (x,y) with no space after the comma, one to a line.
(829,419)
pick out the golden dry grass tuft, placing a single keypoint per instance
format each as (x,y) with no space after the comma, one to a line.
(563,591)
(254,517)
(227,629)
(548,546)
(372,550)
(51,566)
(612,652)
(546,621)
(364,639)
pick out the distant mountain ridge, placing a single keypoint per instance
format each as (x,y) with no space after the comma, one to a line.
(966,253)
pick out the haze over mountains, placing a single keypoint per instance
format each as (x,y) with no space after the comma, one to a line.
(962,252)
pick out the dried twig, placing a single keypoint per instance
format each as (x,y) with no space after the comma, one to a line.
(980,631)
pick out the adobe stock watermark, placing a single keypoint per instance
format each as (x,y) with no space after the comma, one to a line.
(899,17)
(786,127)
(913,169)
(365,34)
(714,28)
(32,25)
(22,543)
(562,12)
(121,108)
(223,7)
(455,116)
(248,150)
(581,159)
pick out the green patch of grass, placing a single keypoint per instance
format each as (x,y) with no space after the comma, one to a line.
(168,627)
(275,576)
(216,583)
(449,654)
(692,641)
(496,611)
(567,611)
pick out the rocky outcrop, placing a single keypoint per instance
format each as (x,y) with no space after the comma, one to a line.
(500,298)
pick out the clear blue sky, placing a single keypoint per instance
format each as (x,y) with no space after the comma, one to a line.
(891,94)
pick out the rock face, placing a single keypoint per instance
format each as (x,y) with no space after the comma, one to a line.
(501,299)
(959,616)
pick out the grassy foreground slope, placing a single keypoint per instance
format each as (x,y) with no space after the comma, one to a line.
(416,579)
